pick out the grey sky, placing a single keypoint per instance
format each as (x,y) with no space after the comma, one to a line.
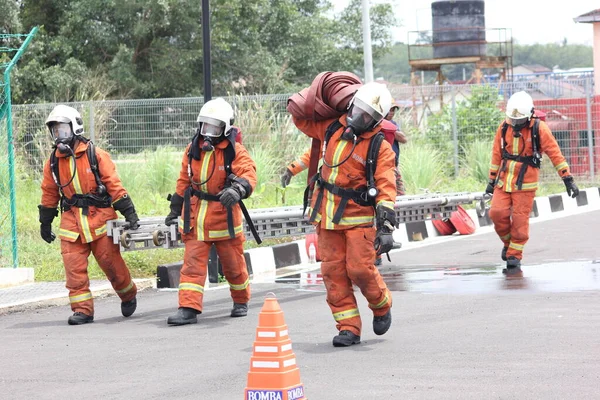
(530,21)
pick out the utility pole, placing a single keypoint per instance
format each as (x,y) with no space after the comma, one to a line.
(368,56)
(206,50)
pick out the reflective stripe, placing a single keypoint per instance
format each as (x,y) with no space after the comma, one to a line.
(381,304)
(505,237)
(101,230)
(80,297)
(385,203)
(126,289)
(85,227)
(68,234)
(242,286)
(562,165)
(300,163)
(494,167)
(291,361)
(75,175)
(224,233)
(510,176)
(203,203)
(342,315)
(533,185)
(191,287)
(265,364)
(329,197)
(356,220)
(516,246)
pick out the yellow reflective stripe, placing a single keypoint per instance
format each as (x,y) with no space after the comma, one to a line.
(329,197)
(516,246)
(505,237)
(380,304)
(243,286)
(562,165)
(85,227)
(75,175)
(510,176)
(225,233)
(342,315)
(385,203)
(204,169)
(68,234)
(356,220)
(203,203)
(126,289)
(494,167)
(533,185)
(80,297)
(191,287)
(101,230)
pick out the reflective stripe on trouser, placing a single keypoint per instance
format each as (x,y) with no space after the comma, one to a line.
(510,214)
(231,256)
(75,259)
(195,268)
(348,257)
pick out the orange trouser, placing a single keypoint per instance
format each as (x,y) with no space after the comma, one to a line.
(510,214)
(195,268)
(107,254)
(347,258)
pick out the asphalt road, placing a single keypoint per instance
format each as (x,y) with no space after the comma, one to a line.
(537,340)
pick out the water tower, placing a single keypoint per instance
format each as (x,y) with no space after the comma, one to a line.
(459,36)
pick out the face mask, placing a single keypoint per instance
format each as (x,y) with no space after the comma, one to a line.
(208,144)
(62,133)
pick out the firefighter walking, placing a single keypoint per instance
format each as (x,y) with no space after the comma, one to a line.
(343,208)
(84,181)
(216,174)
(514,173)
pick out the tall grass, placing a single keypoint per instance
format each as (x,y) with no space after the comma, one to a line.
(476,159)
(422,167)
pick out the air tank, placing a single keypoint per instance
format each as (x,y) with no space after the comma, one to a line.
(458,21)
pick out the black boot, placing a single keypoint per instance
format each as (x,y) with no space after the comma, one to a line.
(382,324)
(503,255)
(239,310)
(513,264)
(79,318)
(184,316)
(128,307)
(345,339)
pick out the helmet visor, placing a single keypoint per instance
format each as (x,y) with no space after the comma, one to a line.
(61,131)
(362,116)
(212,127)
(516,121)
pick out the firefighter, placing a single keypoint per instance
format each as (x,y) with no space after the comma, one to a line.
(343,209)
(216,174)
(514,173)
(83,180)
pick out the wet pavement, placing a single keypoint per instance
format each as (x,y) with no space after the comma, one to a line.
(570,276)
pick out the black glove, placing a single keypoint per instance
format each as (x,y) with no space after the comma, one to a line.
(176,207)
(286,178)
(490,186)
(572,189)
(239,188)
(47,215)
(125,206)
(386,221)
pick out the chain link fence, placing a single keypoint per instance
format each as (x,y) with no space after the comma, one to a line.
(449,118)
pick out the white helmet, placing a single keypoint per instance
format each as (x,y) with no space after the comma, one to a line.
(216,118)
(519,109)
(369,106)
(66,115)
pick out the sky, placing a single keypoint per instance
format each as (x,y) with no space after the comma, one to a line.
(529,21)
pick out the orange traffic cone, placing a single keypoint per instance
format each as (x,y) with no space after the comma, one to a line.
(273,373)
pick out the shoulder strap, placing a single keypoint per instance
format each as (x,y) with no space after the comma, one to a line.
(93,160)
(331,129)
(504,129)
(229,156)
(54,167)
(372,154)
(535,133)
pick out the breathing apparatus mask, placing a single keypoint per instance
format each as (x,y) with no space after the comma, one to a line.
(212,132)
(361,118)
(517,124)
(63,137)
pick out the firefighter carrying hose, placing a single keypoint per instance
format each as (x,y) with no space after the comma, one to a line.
(344,205)
(83,180)
(216,174)
(517,152)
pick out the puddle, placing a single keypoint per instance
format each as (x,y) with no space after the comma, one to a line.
(551,277)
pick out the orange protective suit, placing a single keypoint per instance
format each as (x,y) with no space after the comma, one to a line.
(81,234)
(347,247)
(208,225)
(511,206)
